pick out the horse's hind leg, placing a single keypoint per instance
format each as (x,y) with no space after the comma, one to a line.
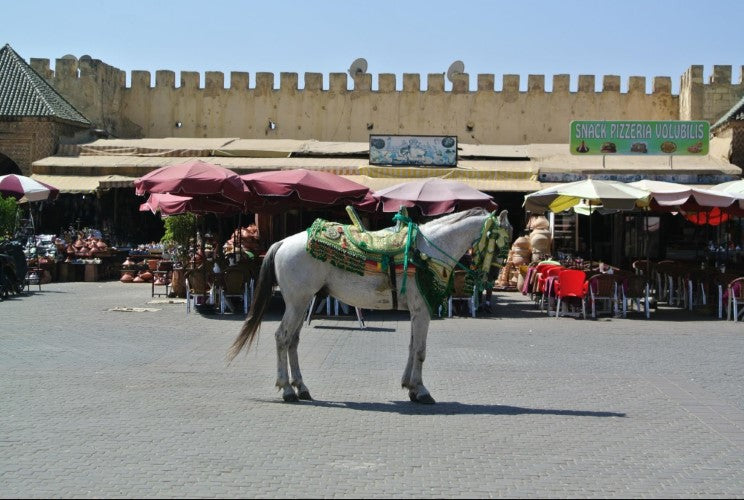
(412,376)
(294,365)
(290,324)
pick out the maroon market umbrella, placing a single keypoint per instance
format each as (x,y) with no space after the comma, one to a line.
(172,204)
(286,188)
(25,188)
(433,196)
(193,178)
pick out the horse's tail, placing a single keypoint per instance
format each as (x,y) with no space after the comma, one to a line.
(261,299)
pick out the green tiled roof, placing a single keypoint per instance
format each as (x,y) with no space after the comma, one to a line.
(734,114)
(23,92)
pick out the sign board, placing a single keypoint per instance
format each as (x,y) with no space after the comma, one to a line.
(688,138)
(413,150)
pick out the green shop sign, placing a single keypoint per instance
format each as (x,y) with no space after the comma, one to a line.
(689,138)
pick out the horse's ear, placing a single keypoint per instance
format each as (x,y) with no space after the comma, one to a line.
(504,218)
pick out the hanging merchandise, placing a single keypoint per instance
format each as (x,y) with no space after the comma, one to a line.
(713,217)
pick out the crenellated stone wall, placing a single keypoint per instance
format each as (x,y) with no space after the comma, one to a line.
(709,101)
(246,105)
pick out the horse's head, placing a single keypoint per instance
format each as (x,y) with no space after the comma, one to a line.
(504,224)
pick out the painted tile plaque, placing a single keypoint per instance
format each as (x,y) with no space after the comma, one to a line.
(413,150)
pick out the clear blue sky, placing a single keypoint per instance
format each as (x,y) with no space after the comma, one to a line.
(625,37)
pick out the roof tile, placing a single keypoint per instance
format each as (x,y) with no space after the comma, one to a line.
(23,92)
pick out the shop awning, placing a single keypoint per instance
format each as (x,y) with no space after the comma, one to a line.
(84,183)
(515,168)
(555,164)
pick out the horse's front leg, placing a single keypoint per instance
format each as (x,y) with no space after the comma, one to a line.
(294,365)
(289,326)
(412,376)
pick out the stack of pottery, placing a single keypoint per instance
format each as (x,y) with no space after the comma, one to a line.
(519,255)
(84,248)
(521,251)
(540,239)
(243,239)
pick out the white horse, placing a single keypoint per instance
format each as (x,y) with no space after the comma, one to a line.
(300,276)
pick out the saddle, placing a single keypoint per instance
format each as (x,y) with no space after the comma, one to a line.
(351,246)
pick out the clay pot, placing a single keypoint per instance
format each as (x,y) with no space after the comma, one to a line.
(138,279)
(126,278)
(540,240)
(128,263)
(521,242)
(538,222)
(147,275)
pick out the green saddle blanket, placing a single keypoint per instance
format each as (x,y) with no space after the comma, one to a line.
(349,247)
(353,249)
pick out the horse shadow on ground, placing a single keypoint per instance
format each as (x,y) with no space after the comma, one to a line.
(403,407)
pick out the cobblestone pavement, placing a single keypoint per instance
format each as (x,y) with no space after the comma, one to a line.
(102,403)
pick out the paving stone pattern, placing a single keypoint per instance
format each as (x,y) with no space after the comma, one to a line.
(139,402)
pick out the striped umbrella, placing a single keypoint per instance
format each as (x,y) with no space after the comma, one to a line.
(24,188)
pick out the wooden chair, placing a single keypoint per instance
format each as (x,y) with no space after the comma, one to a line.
(458,293)
(644,267)
(697,287)
(636,289)
(162,276)
(603,288)
(235,285)
(671,279)
(198,287)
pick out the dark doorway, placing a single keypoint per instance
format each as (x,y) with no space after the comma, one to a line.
(8,166)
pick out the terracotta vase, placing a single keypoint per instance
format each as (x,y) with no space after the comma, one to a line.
(178,282)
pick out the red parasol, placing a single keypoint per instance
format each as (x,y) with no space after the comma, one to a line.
(282,189)
(433,196)
(172,204)
(193,178)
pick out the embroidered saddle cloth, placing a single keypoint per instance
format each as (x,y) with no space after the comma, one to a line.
(349,247)
(362,252)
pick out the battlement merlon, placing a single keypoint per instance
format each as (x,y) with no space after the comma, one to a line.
(71,69)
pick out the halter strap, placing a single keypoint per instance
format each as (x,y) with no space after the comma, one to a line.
(484,246)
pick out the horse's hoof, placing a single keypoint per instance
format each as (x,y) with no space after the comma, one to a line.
(412,396)
(305,395)
(290,398)
(425,399)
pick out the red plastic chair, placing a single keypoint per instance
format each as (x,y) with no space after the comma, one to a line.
(542,280)
(534,286)
(571,283)
(550,276)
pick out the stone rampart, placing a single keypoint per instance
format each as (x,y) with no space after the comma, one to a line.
(261,107)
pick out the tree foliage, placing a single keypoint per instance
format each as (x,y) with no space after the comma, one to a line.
(8,216)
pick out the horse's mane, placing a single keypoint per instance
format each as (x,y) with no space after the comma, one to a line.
(455,217)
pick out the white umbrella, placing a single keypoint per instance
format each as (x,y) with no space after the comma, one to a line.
(671,194)
(732,187)
(609,194)
(24,188)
